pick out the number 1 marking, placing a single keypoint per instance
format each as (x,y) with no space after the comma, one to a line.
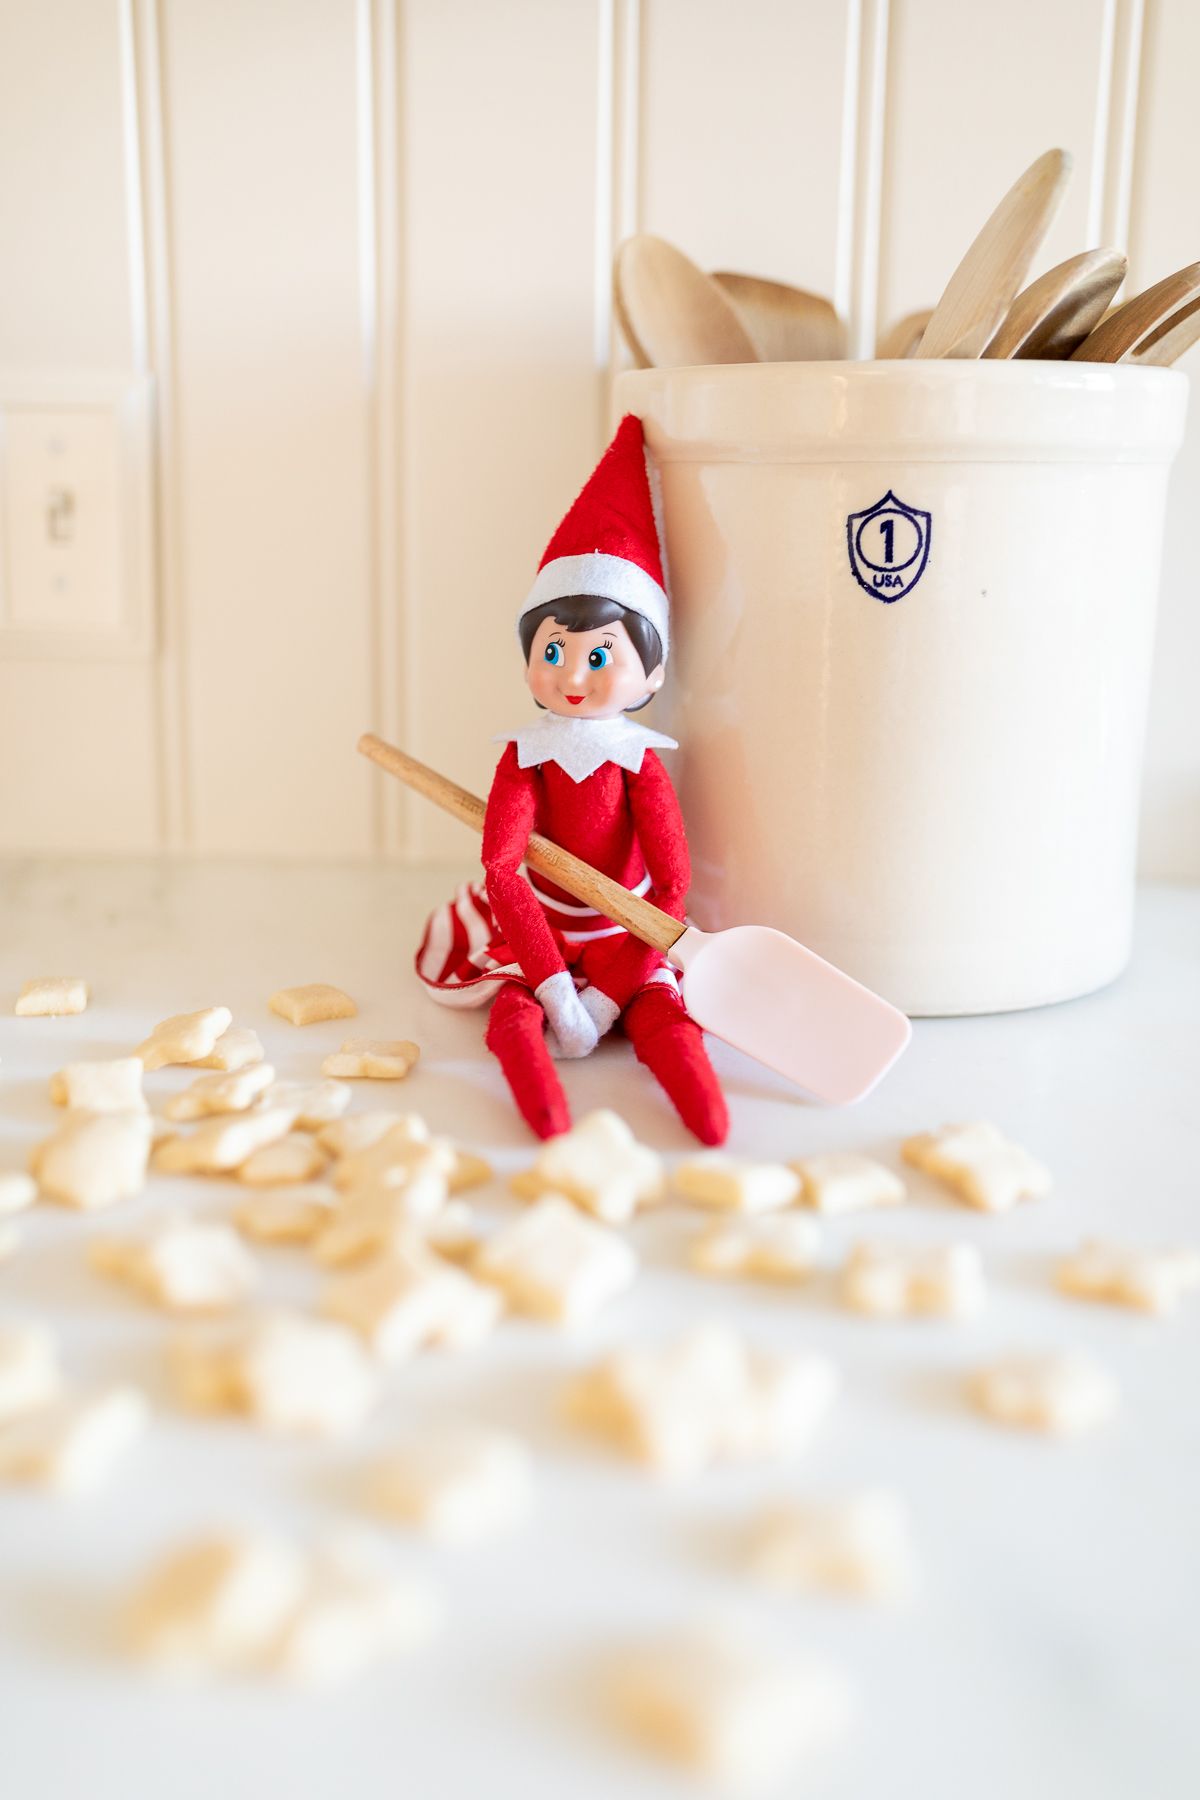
(888,527)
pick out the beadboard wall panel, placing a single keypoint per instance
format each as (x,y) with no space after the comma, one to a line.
(364,248)
(261,104)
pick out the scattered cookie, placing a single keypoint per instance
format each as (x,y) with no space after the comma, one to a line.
(71,1445)
(354,1611)
(182,1265)
(891,1281)
(703,1399)
(1061,1393)
(17,1191)
(452,1231)
(52,997)
(29,1376)
(372,1059)
(860,1545)
(220,1145)
(775,1247)
(726,1708)
(469,1171)
(217,1606)
(114,1086)
(735,1183)
(598,1164)
(362,1131)
(979,1165)
(184,1038)
(291,1215)
(1153,1281)
(554,1264)
(842,1181)
(312,1005)
(237,1048)
(287,1372)
(212,1095)
(457,1486)
(411,1299)
(423,1166)
(374,1221)
(294,1157)
(94,1159)
(316,1103)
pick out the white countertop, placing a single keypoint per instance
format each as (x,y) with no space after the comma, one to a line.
(1055,1649)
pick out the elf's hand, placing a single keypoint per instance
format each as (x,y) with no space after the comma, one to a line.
(572,1031)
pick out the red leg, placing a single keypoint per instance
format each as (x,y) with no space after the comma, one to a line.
(516,1037)
(672,1047)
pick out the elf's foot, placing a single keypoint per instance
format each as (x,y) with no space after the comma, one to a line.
(516,1037)
(672,1047)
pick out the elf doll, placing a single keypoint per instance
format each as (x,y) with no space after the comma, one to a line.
(594,634)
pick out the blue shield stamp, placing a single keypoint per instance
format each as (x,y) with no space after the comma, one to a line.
(889,547)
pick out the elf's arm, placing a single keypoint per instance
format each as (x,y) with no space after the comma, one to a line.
(508,821)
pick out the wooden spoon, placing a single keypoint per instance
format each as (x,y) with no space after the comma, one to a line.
(1145,321)
(982,288)
(751,985)
(1054,314)
(785,324)
(673,314)
(901,339)
(1168,343)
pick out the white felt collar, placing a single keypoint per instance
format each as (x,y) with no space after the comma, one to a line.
(581,746)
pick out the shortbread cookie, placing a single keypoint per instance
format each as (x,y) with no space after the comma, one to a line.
(94,1159)
(979,1165)
(182,1265)
(354,1611)
(290,1215)
(598,1164)
(237,1048)
(705,1398)
(362,1131)
(374,1221)
(52,997)
(842,1181)
(860,1545)
(411,1299)
(457,1486)
(17,1191)
(184,1038)
(220,1145)
(424,1168)
(554,1264)
(775,1247)
(469,1171)
(212,1095)
(288,1373)
(317,1103)
(217,1606)
(893,1281)
(1061,1393)
(70,1447)
(114,1086)
(734,1183)
(1151,1280)
(294,1157)
(312,1005)
(725,1708)
(29,1376)
(452,1231)
(372,1059)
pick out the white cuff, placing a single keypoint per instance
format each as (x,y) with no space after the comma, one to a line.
(572,1032)
(600,1009)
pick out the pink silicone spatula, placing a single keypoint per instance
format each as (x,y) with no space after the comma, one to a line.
(756,988)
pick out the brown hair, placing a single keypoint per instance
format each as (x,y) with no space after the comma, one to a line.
(588,612)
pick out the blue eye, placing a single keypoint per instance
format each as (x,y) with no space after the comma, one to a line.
(553,654)
(600,657)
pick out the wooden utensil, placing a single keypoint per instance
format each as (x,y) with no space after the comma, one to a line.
(1133,331)
(900,340)
(756,988)
(785,324)
(673,314)
(982,288)
(1054,314)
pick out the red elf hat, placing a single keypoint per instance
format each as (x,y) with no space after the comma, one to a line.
(608,545)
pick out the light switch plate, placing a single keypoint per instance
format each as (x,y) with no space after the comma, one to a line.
(76,515)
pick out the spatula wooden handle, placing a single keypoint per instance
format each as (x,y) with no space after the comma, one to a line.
(571,873)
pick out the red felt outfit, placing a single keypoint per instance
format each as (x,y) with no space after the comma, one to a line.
(506,938)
